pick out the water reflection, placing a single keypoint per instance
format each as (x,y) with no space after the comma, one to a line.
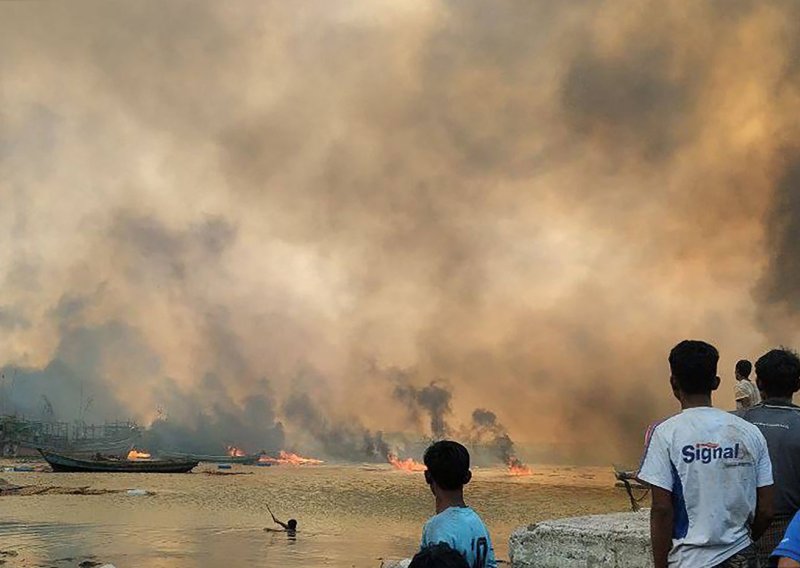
(350,517)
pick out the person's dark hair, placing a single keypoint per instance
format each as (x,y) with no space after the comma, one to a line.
(292,524)
(778,373)
(694,365)
(743,367)
(438,556)
(448,464)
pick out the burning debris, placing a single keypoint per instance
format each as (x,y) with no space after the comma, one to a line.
(288,458)
(408,464)
(487,430)
(135,455)
(235,452)
(516,467)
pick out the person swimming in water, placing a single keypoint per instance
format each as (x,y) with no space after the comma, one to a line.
(289,527)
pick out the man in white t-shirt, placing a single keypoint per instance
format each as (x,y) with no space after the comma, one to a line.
(745,392)
(709,471)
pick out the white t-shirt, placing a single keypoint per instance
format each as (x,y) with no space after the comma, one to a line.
(712,462)
(745,389)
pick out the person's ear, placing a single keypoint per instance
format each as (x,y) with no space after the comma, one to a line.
(715,384)
(467,477)
(676,389)
(797,384)
(760,385)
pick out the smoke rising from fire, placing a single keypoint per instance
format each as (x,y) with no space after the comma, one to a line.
(486,430)
(433,399)
(345,439)
(219,211)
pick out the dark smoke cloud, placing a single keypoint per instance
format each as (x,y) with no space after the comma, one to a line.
(250,425)
(486,430)
(534,199)
(433,400)
(345,439)
(780,288)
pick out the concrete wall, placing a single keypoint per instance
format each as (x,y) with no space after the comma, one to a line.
(620,540)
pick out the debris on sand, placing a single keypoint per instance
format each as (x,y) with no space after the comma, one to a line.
(7,489)
(7,554)
(227,473)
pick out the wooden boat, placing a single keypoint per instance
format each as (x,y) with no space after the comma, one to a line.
(105,465)
(23,437)
(242,460)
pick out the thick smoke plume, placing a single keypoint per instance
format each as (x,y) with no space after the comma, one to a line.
(346,439)
(433,400)
(209,203)
(486,430)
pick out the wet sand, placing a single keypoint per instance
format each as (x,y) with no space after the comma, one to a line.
(350,516)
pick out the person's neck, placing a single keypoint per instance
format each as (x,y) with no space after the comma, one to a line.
(695,400)
(447,499)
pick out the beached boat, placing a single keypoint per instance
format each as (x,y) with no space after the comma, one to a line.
(242,460)
(105,465)
(21,437)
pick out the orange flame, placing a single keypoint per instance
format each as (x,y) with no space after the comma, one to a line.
(516,467)
(405,465)
(135,454)
(288,458)
(235,452)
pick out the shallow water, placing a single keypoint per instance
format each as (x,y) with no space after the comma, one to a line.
(349,516)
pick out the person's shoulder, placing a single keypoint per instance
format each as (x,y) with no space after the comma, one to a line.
(665,423)
(430,521)
(791,410)
(436,521)
(476,517)
(743,424)
(443,526)
(738,418)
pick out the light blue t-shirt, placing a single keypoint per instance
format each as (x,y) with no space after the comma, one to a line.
(464,531)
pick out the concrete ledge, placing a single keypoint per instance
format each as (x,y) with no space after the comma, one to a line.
(620,540)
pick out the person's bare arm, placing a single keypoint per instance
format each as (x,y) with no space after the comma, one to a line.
(661,517)
(274,518)
(765,511)
(788,563)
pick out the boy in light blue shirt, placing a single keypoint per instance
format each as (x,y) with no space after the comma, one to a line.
(455,524)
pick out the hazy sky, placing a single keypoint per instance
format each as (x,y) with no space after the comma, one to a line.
(204,203)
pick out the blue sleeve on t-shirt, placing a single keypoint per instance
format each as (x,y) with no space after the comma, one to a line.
(789,547)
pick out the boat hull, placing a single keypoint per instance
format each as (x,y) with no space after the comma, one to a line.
(241,460)
(63,463)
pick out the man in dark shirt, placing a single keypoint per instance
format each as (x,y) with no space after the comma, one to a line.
(778,378)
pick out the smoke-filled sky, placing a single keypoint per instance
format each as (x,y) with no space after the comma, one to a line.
(212,210)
